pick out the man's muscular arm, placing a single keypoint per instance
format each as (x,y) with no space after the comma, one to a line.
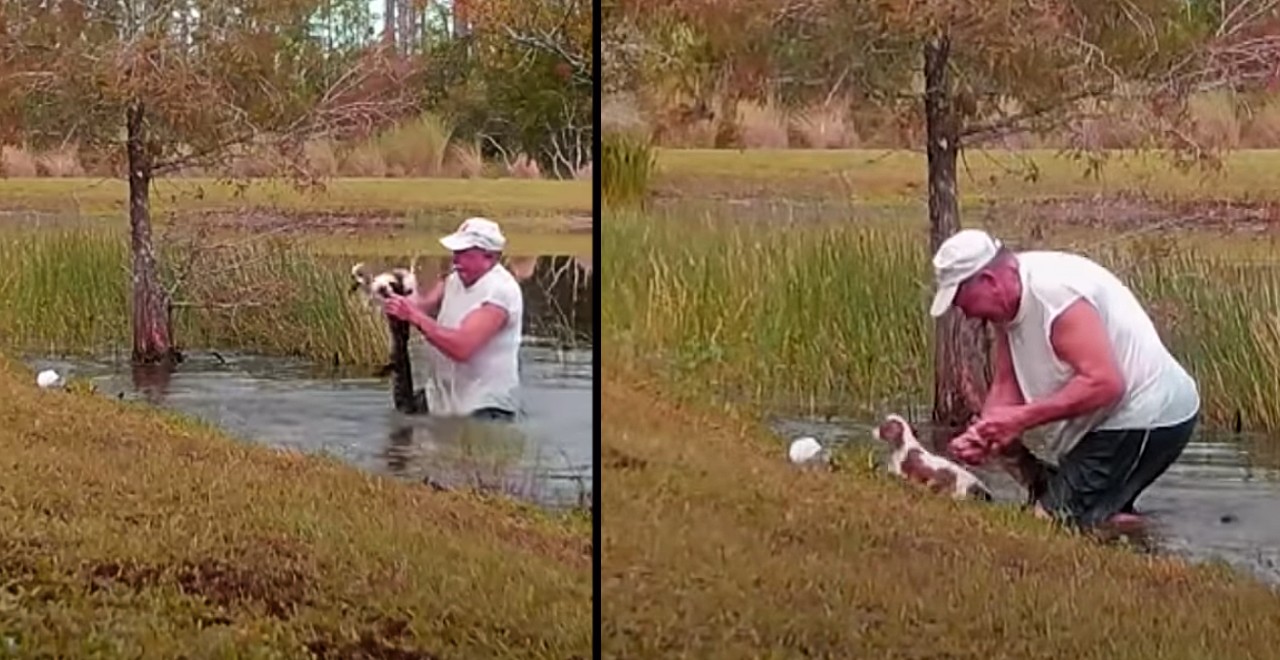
(1079,338)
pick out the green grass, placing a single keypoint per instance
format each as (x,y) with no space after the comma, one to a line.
(129,533)
(880,176)
(715,547)
(459,197)
(831,317)
(629,162)
(67,291)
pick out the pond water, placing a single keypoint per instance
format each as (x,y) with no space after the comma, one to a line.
(546,456)
(1216,503)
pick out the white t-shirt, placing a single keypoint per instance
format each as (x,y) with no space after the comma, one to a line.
(1158,390)
(491,378)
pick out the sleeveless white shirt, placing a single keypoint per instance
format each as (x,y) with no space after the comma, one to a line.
(1158,390)
(491,378)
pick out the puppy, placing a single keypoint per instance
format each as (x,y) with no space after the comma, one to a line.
(911,461)
(401,282)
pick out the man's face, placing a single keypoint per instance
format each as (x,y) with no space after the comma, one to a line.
(983,297)
(472,264)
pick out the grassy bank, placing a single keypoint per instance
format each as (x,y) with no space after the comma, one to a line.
(714,547)
(880,176)
(832,317)
(131,534)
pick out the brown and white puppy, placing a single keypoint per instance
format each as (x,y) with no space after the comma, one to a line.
(911,461)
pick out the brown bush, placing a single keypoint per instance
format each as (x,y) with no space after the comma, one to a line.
(363,160)
(61,162)
(524,167)
(465,161)
(17,162)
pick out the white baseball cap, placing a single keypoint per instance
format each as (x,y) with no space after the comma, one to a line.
(475,233)
(960,257)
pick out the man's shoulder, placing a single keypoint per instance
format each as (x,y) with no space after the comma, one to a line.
(1053,258)
(502,288)
(1057,268)
(505,280)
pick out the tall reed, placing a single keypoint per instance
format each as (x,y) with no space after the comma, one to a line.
(629,164)
(817,318)
(832,317)
(68,291)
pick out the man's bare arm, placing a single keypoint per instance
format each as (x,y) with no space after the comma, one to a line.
(477,328)
(1079,338)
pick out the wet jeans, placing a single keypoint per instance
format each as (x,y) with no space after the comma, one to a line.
(1107,470)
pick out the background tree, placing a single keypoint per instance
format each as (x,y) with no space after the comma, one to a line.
(165,84)
(533,63)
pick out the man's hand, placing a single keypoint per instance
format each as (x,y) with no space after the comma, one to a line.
(1000,426)
(969,447)
(400,307)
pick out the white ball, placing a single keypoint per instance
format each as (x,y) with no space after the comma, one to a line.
(47,378)
(804,450)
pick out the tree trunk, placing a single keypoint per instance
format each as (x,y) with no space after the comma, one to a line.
(958,343)
(151,332)
(461,18)
(389,23)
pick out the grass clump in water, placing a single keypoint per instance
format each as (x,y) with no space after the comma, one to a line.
(629,164)
(129,530)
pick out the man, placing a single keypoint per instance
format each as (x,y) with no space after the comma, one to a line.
(472,320)
(1074,351)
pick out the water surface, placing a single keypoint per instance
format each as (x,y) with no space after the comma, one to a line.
(546,456)
(283,403)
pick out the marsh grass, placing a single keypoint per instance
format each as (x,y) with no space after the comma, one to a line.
(67,291)
(825,318)
(630,162)
(134,533)
(50,299)
(281,301)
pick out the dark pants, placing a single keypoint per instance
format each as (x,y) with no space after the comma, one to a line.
(1107,470)
(493,415)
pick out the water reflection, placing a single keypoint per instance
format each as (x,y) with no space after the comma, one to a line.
(459,452)
(151,381)
(1218,502)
